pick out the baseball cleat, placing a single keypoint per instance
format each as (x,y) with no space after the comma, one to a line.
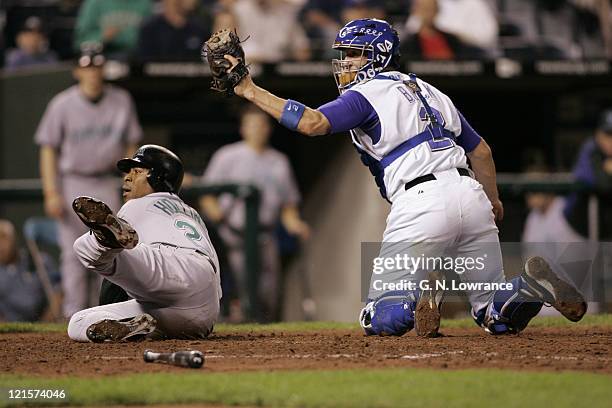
(551,289)
(128,329)
(427,314)
(110,230)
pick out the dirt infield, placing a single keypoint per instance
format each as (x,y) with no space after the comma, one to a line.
(568,348)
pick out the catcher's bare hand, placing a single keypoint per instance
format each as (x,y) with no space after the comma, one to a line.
(246,84)
(498,209)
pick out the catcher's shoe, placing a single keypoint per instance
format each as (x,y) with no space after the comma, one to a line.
(129,329)
(551,289)
(110,230)
(427,314)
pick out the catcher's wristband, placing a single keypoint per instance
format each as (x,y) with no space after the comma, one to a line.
(292,113)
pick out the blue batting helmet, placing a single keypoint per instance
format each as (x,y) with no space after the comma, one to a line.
(377,41)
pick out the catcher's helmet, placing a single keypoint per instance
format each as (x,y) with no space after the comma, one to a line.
(165,168)
(376,40)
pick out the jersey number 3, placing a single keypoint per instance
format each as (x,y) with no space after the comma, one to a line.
(440,142)
(190,231)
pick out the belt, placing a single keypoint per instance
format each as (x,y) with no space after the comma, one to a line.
(197,251)
(431,177)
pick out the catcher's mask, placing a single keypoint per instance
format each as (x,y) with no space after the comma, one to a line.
(375,41)
(165,168)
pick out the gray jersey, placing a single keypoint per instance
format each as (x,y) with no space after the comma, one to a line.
(269,171)
(91,136)
(165,218)
(172,274)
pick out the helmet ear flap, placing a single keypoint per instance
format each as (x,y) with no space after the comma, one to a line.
(152,179)
(157,181)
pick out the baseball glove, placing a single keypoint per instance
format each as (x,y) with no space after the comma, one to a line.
(221,43)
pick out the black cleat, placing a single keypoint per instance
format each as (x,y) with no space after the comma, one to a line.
(129,329)
(553,290)
(110,230)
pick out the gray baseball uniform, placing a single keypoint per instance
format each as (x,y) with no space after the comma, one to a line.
(271,172)
(90,138)
(172,274)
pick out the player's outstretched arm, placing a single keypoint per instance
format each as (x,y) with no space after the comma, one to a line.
(483,165)
(291,114)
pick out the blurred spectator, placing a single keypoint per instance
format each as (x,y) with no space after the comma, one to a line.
(174,34)
(222,13)
(594,168)
(431,43)
(84,131)
(545,222)
(32,47)
(61,31)
(547,233)
(253,161)
(275,35)
(559,28)
(595,21)
(321,20)
(472,21)
(22,297)
(356,9)
(114,23)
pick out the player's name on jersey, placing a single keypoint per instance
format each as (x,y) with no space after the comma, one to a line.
(172,207)
(452,285)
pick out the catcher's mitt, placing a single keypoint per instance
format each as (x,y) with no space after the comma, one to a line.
(221,43)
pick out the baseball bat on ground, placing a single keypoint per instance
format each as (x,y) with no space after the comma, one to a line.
(191,359)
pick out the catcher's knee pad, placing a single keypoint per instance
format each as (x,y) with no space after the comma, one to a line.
(391,314)
(511,310)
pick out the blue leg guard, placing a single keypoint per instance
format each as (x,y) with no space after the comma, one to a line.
(391,314)
(511,310)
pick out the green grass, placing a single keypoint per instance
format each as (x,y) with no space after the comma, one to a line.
(24,327)
(589,320)
(338,388)
(346,388)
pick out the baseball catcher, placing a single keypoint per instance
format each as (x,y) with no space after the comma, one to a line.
(416,144)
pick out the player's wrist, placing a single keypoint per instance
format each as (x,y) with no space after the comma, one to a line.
(292,114)
(246,89)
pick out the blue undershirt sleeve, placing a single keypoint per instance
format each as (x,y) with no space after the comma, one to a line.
(349,111)
(469,138)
